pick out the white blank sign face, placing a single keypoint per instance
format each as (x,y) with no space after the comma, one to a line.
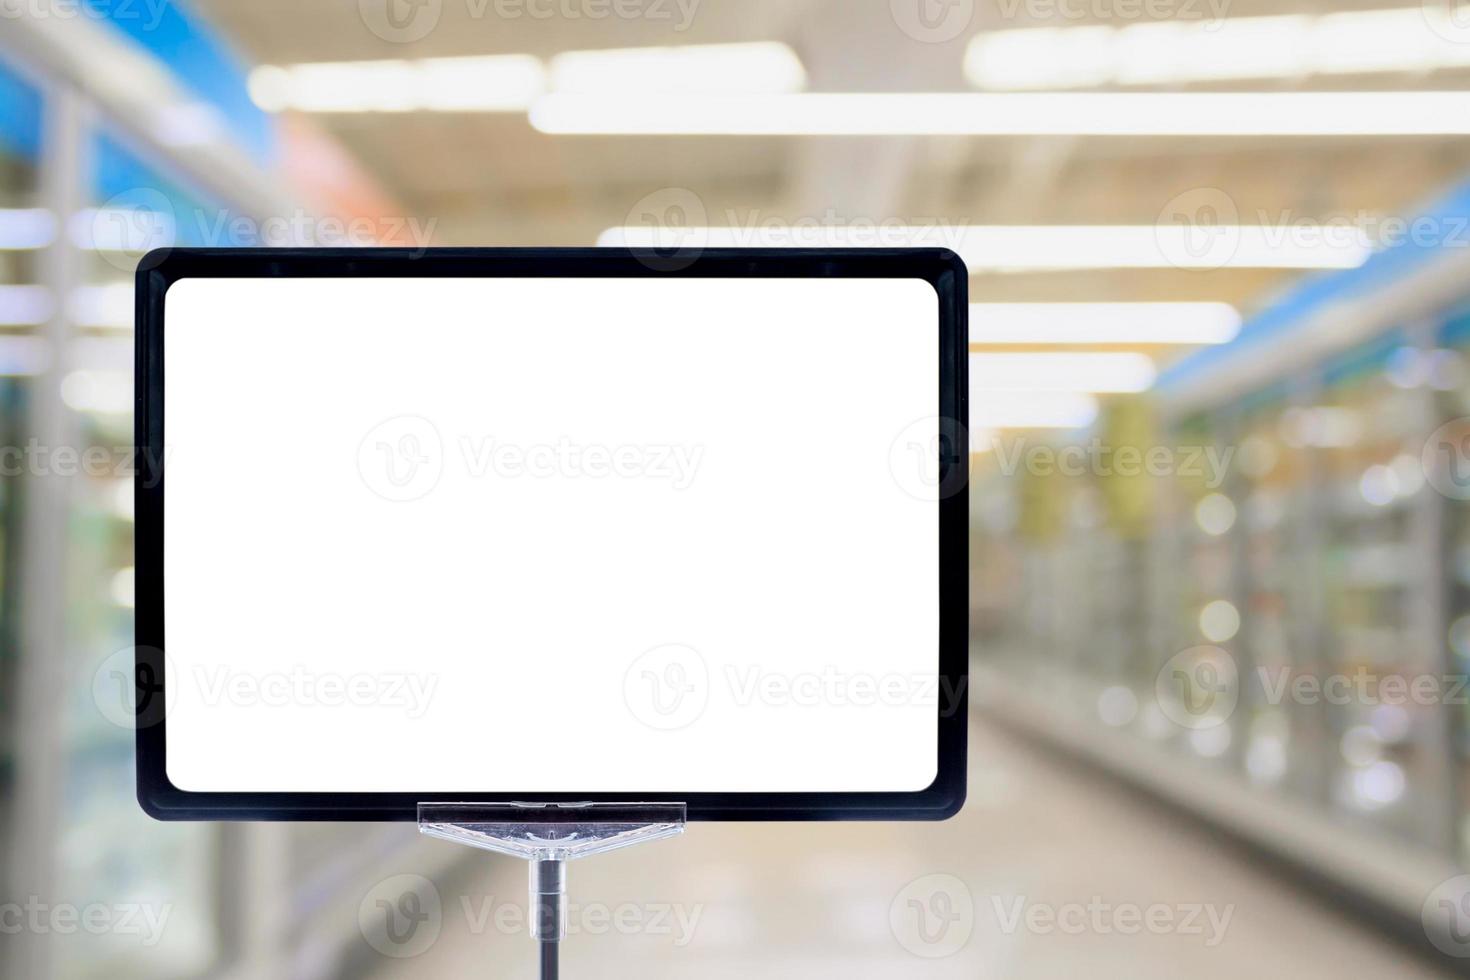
(550,535)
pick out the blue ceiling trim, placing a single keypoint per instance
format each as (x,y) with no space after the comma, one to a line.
(201,60)
(20,116)
(1444,225)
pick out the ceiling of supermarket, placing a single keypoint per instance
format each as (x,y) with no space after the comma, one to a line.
(491,178)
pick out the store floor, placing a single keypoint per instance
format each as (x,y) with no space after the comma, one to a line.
(1049,872)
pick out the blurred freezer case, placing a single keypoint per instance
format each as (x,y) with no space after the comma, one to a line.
(1325,537)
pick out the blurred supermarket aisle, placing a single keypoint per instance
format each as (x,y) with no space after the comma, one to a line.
(1134,892)
(1265,615)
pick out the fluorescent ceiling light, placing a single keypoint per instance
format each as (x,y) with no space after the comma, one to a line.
(492,83)
(102,306)
(98,391)
(1103,323)
(1084,55)
(496,83)
(1107,372)
(24,355)
(760,67)
(1415,113)
(1408,39)
(507,83)
(25,306)
(1026,248)
(104,355)
(1023,410)
(26,228)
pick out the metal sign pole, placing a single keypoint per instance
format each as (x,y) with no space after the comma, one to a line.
(548,835)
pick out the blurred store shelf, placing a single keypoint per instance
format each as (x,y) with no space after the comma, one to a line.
(1390,878)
